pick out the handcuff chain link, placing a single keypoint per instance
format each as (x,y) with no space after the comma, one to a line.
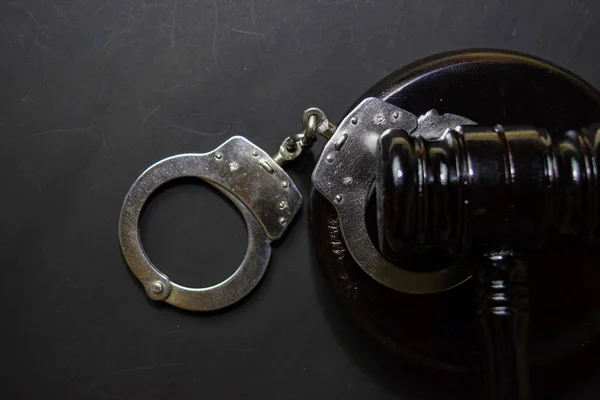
(314,121)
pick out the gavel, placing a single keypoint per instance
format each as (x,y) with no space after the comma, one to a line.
(495,198)
(494,194)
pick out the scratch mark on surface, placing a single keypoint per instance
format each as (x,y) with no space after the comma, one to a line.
(94,383)
(108,42)
(113,37)
(195,132)
(245,32)
(30,14)
(149,367)
(102,7)
(252,16)
(223,131)
(104,87)
(580,33)
(173,22)
(131,16)
(70,280)
(60,12)
(214,41)
(38,44)
(170,89)
(45,26)
(65,130)
(148,115)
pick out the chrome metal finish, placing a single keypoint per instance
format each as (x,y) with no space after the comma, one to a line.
(433,126)
(264,163)
(309,131)
(236,168)
(157,287)
(322,126)
(288,151)
(340,142)
(314,121)
(345,176)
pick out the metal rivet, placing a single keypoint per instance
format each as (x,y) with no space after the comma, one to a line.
(338,198)
(157,287)
(395,114)
(284,184)
(255,153)
(329,157)
(218,156)
(282,221)
(354,120)
(282,205)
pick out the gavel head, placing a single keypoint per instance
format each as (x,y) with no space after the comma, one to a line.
(484,189)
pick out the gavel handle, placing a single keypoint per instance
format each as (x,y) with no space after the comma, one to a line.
(504,316)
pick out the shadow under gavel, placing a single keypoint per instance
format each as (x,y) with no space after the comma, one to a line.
(491,197)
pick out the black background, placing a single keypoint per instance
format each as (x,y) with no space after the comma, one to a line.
(93,92)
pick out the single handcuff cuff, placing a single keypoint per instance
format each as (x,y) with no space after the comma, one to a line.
(410,200)
(255,183)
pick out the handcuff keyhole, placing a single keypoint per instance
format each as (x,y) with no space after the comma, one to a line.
(193,233)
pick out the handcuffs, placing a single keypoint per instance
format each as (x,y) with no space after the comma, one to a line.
(268,200)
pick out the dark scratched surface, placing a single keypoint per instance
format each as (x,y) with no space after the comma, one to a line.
(93,92)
